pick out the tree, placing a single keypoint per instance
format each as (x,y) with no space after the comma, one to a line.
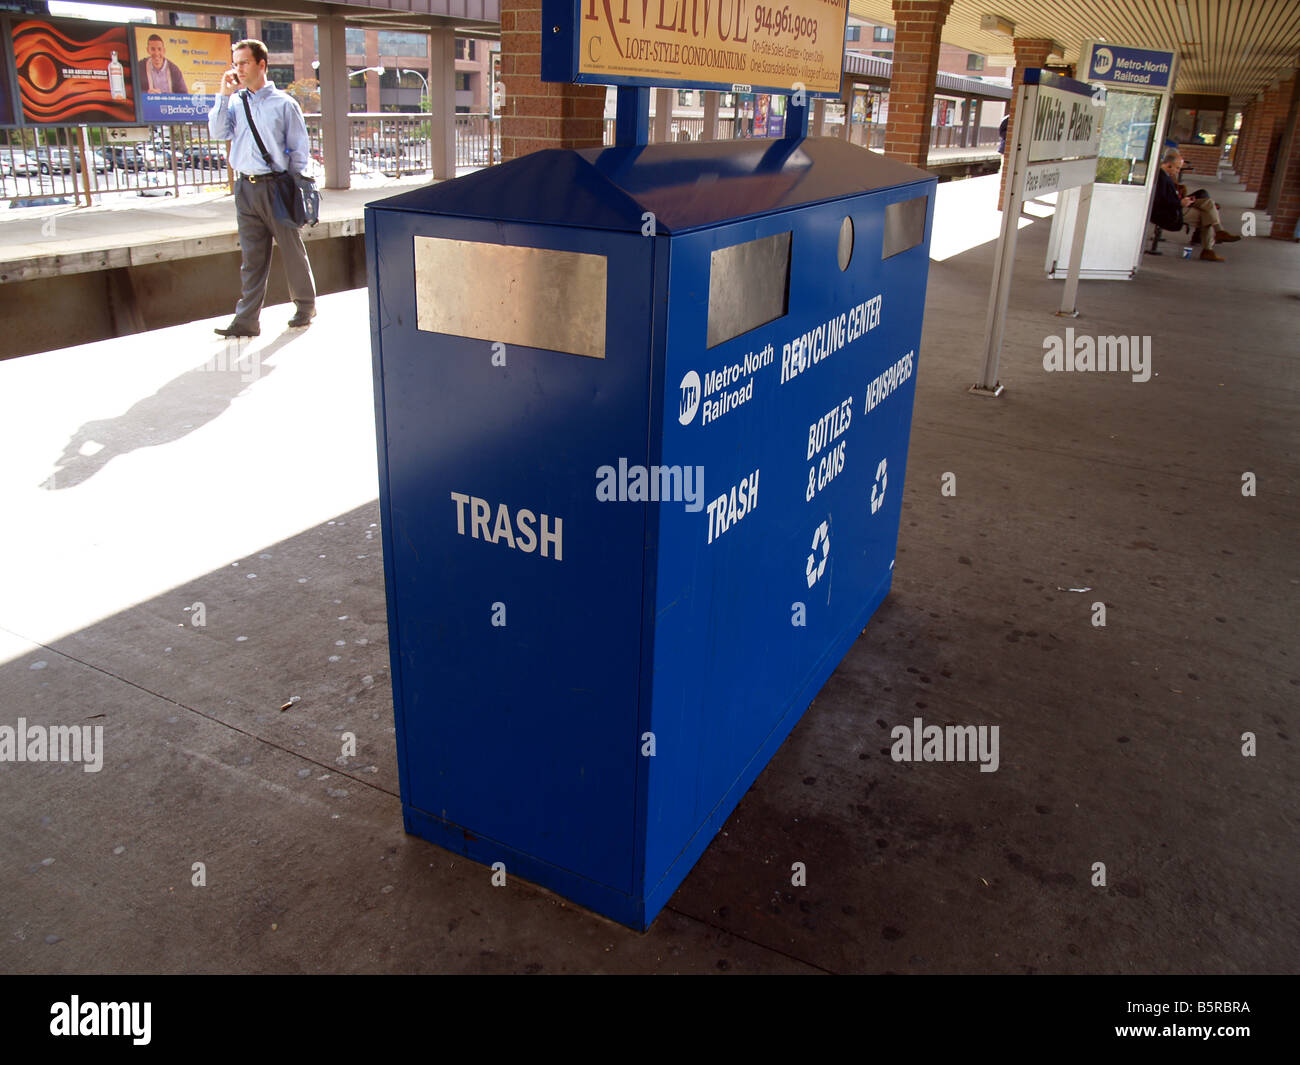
(307,92)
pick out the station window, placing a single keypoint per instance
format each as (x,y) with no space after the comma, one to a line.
(462,81)
(280,76)
(183,18)
(277,36)
(1196,126)
(392,78)
(395,43)
(974,62)
(1128,146)
(237,27)
(853,33)
(355,41)
(882,33)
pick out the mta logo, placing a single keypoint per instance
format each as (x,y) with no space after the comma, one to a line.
(690,401)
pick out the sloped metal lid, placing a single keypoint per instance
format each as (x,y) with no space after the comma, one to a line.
(685,186)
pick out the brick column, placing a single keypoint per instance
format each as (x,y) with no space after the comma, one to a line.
(1239,149)
(1287,214)
(541,114)
(911,88)
(1249,138)
(1267,108)
(1260,136)
(1281,110)
(1030,52)
(1255,138)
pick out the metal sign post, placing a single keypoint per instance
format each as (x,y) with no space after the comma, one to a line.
(1057,133)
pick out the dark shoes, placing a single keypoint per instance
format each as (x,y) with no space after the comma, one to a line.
(1223,236)
(236,330)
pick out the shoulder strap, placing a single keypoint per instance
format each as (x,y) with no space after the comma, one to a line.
(253,126)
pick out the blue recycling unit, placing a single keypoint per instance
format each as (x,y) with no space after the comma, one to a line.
(593,657)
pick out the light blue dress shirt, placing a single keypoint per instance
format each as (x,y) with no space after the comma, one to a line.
(279,121)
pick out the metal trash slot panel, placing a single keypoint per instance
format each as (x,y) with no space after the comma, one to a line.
(749,286)
(535,297)
(904,225)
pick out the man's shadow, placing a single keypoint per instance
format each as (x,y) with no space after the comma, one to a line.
(182,405)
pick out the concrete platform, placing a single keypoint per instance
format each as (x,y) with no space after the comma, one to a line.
(42,242)
(146,475)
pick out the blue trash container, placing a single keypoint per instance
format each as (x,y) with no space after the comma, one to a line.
(643,417)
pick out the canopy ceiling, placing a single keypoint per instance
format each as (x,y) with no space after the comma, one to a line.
(1230,47)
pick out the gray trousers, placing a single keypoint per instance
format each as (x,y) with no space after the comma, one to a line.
(258,226)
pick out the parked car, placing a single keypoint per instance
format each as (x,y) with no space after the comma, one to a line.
(150,158)
(133,157)
(56,160)
(208,158)
(154,159)
(104,159)
(121,157)
(19,164)
(39,201)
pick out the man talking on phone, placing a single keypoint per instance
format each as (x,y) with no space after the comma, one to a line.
(246,94)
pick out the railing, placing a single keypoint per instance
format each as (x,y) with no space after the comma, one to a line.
(478,140)
(393,144)
(45,165)
(869,135)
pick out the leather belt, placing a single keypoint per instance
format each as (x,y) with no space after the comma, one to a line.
(253,178)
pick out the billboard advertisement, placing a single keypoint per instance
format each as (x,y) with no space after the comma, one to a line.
(732,45)
(178,71)
(72,71)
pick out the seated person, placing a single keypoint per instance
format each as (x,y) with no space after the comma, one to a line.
(1173,208)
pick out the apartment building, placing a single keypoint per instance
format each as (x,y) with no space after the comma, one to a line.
(877,39)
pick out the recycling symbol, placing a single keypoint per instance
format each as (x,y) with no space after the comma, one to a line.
(822,538)
(878,489)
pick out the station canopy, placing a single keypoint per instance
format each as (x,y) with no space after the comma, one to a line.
(471,18)
(1230,47)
